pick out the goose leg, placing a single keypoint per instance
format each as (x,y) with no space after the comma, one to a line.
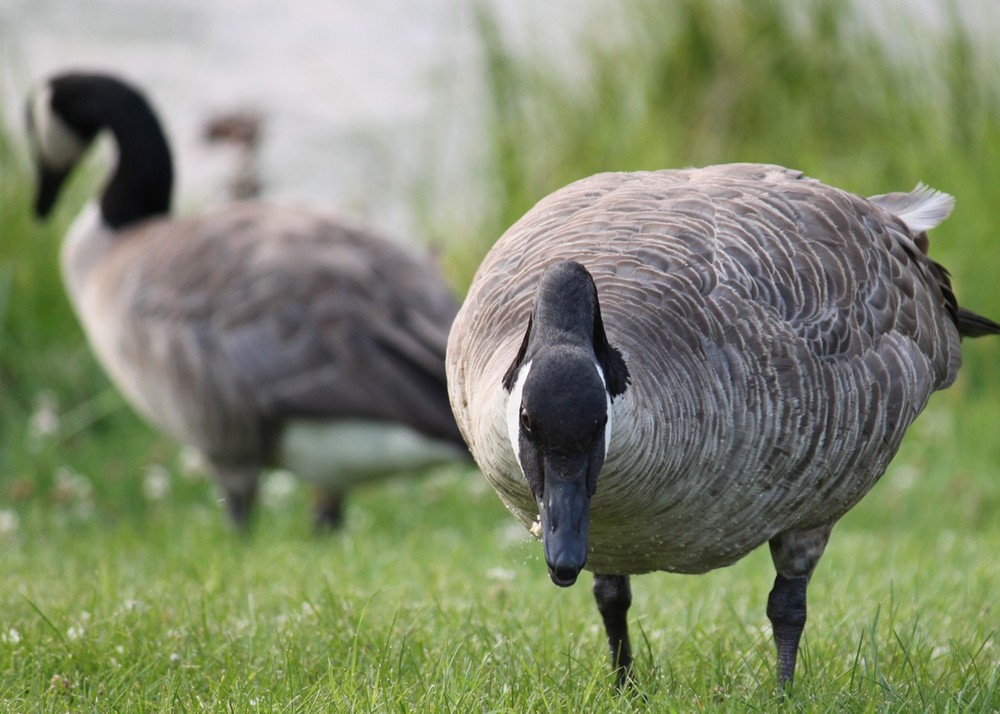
(795,554)
(239,484)
(614,596)
(328,511)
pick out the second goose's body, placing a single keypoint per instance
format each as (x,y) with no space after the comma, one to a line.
(260,334)
(671,368)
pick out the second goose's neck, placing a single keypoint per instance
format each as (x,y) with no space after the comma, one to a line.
(142,181)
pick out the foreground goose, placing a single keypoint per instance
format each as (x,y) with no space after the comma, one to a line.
(261,335)
(662,371)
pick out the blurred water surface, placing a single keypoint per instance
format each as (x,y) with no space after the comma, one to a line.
(357,95)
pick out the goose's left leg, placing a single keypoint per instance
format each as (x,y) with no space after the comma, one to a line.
(328,510)
(614,597)
(795,554)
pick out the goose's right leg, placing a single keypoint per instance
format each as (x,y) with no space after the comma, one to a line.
(614,597)
(239,484)
(795,554)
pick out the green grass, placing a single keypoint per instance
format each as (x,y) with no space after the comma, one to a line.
(173,612)
(120,597)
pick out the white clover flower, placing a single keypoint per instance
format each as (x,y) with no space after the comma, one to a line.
(44,420)
(72,486)
(156,483)
(132,605)
(78,630)
(10,522)
(500,574)
(278,487)
(191,463)
(12,636)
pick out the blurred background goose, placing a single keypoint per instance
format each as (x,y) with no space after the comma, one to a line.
(242,130)
(262,335)
(665,370)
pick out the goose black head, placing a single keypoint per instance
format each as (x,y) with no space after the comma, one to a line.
(561,386)
(57,142)
(66,113)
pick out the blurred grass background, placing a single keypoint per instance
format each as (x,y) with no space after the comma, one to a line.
(127,592)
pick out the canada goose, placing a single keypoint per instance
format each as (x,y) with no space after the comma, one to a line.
(664,370)
(261,335)
(241,129)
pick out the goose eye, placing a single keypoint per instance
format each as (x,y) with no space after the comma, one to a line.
(525,421)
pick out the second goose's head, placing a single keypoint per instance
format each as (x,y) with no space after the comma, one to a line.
(561,386)
(66,113)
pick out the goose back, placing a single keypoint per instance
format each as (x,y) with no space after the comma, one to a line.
(780,335)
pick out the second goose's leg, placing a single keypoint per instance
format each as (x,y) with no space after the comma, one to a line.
(328,510)
(795,554)
(614,596)
(239,484)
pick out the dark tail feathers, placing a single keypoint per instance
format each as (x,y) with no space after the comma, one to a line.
(972,325)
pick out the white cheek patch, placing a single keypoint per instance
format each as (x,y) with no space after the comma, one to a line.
(58,146)
(607,424)
(514,412)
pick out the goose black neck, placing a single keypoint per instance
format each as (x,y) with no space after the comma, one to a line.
(566,304)
(143,180)
(141,184)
